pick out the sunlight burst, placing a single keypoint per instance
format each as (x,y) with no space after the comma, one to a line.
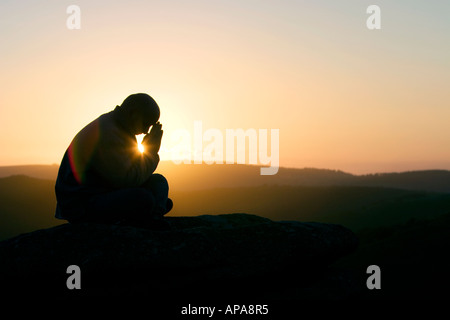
(139,139)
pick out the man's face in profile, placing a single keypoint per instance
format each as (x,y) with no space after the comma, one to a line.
(146,124)
(143,122)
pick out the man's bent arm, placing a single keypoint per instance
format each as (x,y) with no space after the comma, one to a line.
(126,169)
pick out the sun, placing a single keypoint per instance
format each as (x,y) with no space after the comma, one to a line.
(139,139)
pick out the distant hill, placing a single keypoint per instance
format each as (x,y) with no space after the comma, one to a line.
(429,180)
(27,204)
(354,207)
(189,177)
(47,172)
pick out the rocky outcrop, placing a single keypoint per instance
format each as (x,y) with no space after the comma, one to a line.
(206,254)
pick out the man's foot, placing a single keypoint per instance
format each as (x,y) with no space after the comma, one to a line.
(160,211)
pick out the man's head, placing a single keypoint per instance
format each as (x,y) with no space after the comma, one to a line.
(141,112)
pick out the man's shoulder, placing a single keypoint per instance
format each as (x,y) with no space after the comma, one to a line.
(108,116)
(108,122)
(111,130)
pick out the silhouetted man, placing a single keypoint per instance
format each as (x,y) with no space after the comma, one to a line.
(103,177)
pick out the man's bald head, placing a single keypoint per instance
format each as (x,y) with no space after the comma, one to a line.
(141,110)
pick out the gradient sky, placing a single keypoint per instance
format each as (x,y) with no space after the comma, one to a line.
(342,96)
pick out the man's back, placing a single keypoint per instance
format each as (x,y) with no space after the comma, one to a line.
(103,156)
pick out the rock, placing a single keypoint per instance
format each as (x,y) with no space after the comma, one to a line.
(236,253)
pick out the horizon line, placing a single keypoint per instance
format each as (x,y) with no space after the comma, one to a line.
(261,166)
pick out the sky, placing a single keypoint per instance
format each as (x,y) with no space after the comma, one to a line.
(341,96)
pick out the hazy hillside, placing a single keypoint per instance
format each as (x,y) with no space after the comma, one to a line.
(353,207)
(430,180)
(47,172)
(28,204)
(196,177)
(186,177)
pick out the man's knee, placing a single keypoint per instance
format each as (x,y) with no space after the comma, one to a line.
(157,181)
(160,179)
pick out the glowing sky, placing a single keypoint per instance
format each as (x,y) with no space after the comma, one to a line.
(342,96)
